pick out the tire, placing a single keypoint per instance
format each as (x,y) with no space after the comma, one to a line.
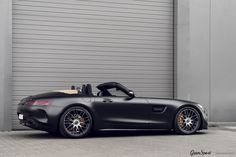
(187,121)
(75,122)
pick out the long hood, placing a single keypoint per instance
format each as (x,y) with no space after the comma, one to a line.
(177,102)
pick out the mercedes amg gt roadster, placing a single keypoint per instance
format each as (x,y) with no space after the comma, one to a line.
(76,112)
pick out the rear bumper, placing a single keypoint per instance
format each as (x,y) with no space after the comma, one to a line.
(38,117)
(34,124)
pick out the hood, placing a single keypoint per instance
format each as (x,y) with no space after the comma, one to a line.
(178,102)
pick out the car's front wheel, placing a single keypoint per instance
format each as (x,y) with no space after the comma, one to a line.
(187,121)
(75,122)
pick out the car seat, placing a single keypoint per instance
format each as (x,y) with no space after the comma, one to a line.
(83,89)
(89,90)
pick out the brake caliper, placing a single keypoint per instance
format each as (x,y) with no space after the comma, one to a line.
(181,120)
(82,121)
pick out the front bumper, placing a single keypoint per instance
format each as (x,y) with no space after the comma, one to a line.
(204,116)
(204,124)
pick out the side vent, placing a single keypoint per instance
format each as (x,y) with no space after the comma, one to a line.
(158,108)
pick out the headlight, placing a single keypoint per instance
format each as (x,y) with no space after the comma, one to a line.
(202,108)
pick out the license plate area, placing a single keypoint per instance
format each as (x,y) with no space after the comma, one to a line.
(21,116)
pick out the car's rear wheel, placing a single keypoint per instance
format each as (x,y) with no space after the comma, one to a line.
(187,121)
(75,122)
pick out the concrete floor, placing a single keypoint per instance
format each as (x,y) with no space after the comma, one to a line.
(216,141)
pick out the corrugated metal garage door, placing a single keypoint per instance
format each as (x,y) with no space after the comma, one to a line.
(58,43)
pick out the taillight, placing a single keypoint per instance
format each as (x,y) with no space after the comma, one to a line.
(40,103)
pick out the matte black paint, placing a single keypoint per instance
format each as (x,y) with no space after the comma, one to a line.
(108,112)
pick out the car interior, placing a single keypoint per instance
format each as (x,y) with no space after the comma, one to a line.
(108,90)
(85,90)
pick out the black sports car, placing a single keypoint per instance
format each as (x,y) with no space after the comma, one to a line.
(76,112)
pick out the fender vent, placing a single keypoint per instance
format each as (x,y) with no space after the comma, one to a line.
(158,108)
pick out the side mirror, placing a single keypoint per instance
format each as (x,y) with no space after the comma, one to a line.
(131,94)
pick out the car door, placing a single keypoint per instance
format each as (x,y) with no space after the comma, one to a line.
(121,111)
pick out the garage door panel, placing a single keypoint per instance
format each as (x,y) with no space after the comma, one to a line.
(59,43)
(100,4)
(86,75)
(98,43)
(93,8)
(73,58)
(78,39)
(91,67)
(84,71)
(82,16)
(158,28)
(134,14)
(94,46)
(51,79)
(97,23)
(98,63)
(157,3)
(115,52)
(90,16)
(29,32)
(48,58)
(86,32)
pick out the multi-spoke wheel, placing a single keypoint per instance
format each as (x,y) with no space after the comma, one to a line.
(187,121)
(75,122)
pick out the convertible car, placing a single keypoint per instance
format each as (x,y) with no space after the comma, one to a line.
(76,112)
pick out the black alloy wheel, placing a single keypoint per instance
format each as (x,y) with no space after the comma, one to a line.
(75,122)
(187,121)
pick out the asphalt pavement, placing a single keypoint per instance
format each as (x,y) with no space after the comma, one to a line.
(217,142)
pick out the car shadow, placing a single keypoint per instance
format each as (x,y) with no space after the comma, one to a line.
(101,134)
(33,134)
(104,134)
(122,133)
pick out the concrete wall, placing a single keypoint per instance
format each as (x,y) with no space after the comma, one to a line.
(5,64)
(205,65)
(223,60)
(192,57)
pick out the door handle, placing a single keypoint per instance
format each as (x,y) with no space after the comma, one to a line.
(107,100)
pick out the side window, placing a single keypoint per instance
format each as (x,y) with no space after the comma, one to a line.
(116,92)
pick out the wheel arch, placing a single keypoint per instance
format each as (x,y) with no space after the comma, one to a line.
(188,105)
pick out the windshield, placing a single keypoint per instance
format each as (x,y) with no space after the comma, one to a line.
(112,89)
(112,92)
(116,92)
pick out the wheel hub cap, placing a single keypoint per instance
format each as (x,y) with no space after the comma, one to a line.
(76,123)
(188,121)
